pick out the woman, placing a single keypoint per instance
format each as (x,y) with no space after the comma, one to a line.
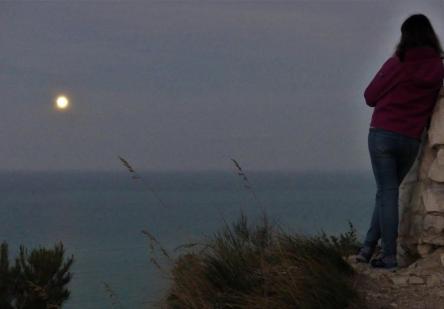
(403,94)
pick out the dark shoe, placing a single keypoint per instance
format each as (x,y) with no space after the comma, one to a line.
(364,254)
(385,262)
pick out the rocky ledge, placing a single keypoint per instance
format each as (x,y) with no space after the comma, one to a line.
(418,285)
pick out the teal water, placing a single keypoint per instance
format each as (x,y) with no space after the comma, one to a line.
(100,216)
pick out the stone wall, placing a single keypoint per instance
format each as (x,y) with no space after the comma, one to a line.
(421,194)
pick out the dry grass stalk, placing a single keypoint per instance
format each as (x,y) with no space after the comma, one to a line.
(154,241)
(136,176)
(153,244)
(246,182)
(113,296)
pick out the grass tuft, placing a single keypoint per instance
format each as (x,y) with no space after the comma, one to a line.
(260,266)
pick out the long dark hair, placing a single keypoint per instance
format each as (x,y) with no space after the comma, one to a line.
(417,31)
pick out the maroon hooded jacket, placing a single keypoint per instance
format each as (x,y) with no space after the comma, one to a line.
(403,94)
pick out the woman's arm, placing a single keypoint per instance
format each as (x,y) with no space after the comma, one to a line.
(384,80)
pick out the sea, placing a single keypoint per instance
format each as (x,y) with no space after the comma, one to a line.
(102,219)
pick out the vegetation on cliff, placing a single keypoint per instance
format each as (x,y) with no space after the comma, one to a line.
(261,266)
(37,280)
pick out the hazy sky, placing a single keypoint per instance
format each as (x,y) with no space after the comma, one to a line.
(185,85)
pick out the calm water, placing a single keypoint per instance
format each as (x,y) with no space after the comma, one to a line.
(99,218)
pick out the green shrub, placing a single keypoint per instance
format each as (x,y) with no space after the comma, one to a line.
(244,266)
(37,280)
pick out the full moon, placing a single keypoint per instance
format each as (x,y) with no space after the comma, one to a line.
(62,102)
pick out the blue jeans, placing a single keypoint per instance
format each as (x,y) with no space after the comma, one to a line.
(392,155)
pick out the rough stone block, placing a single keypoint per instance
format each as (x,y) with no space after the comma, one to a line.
(433,198)
(424,249)
(415,280)
(433,280)
(436,239)
(400,280)
(436,171)
(426,158)
(436,130)
(434,224)
(440,155)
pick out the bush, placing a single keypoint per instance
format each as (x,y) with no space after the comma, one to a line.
(245,266)
(37,280)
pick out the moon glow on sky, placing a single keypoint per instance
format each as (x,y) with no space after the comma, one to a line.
(62,102)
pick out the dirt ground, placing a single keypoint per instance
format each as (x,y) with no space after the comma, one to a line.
(417,286)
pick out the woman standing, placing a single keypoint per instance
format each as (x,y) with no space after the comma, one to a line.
(403,94)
